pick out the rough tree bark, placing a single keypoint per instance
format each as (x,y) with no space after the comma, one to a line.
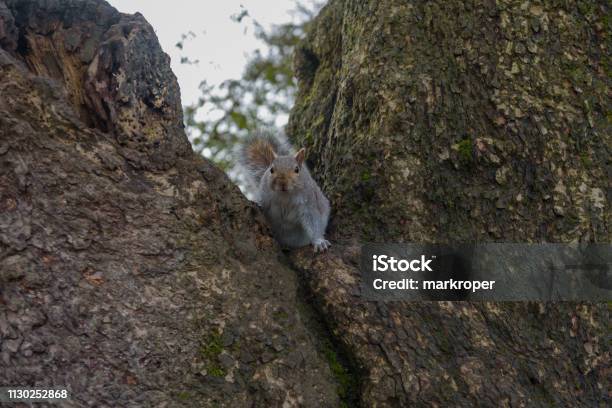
(131,270)
(135,273)
(460,121)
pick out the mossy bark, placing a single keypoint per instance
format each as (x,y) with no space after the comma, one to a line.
(460,121)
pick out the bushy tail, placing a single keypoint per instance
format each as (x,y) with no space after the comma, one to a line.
(257,153)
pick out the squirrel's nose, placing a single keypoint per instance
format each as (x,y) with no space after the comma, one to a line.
(282,184)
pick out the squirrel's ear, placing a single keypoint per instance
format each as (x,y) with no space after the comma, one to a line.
(300,155)
(271,154)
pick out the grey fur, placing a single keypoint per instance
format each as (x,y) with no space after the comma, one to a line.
(299,215)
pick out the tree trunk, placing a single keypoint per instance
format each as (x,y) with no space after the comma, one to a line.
(131,270)
(135,273)
(453,121)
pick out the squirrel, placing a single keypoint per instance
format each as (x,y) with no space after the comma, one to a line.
(292,202)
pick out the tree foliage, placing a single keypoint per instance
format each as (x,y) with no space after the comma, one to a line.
(261,97)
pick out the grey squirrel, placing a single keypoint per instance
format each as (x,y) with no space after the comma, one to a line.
(292,202)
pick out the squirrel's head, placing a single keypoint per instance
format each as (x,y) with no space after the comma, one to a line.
(284,171)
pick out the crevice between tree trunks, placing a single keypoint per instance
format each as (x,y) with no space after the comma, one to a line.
(343,363)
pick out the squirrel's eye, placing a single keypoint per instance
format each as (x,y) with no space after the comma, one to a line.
(272,170)
(297,169)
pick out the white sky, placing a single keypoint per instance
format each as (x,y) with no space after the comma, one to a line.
(221,45)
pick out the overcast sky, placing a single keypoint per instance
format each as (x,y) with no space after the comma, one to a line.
(221,45)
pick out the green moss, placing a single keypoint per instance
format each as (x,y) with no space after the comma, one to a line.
(346,381)
(235,347)
(320,120)
(444,344)
(215,371)
(280,315)
(345,374)
(587,9)
(308,138)
(210,351)
(184,396)
(585,159)
(212,347)
(464,149)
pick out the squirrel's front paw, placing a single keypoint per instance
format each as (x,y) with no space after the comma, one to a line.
(320,244)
